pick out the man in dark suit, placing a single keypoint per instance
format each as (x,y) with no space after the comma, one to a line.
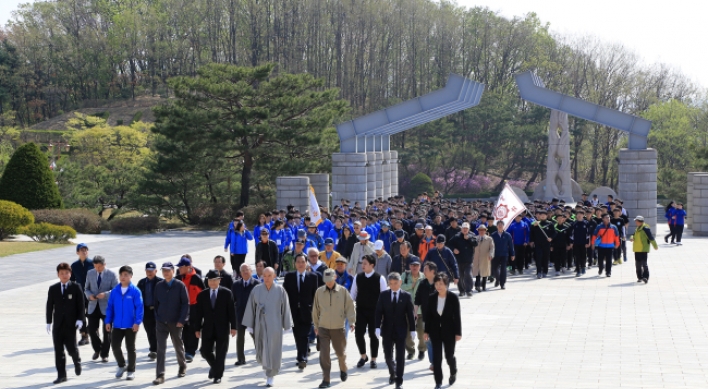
(241,290)
(65,308)
(147,289)
(226,280)
(394,320)
(301,286)
(214,319)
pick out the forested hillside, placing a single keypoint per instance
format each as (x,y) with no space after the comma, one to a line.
(68,54)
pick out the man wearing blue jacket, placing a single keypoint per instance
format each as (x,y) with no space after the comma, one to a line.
(314,236)
(124,315)
(503,251)
(521,236)
(386,236)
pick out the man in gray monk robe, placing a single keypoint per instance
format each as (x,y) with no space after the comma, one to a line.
(267,317)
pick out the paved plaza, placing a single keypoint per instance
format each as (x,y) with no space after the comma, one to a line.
(560,332)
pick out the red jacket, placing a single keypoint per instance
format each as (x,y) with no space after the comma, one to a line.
(193,283)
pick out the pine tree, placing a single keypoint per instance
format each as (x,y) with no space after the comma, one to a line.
(28,181)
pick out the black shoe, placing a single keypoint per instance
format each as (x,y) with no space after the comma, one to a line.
(159,380)
(478,289)
(324,384)
(399,387)
(343,376)
(152,355)
(77,368)
(59,380)
(239,363)
(104,360)
(391,379)
(599,273)
(217,380)
(453,378)
(189,358)
(496,283)
(503,287)
(421,354)
(438,386)
(539,276)
(646,280)
(609,275)
(490,279)
(410,355)
(84,341)
(182,372)
(666,239)
(373,365)
(302,365)
(95,356)
(577,274)
(639,280)
(362,362)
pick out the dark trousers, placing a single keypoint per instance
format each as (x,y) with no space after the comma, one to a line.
(97,319)
(466,284)
(604,259)
(558,256)
(499,269)
(623,247)
(64,337)
(449,345)
(519,261)
(366,318)
(591,256)
(117,335)
(236,261)
(672,233)
(568,259)
(214,349)
(337,338)
(543,255)
(301,332)
(240,340)
(395,367)
(480,282)
(678,232)
(162,331)
(149,324)
(641,265)
(191,342)
(580,253)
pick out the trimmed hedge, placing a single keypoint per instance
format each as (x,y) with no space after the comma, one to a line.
(420,183)
(132,225)
(28,181)
(82,220)
(12,217)
(48,233)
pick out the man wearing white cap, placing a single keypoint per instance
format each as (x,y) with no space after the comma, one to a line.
(364,247)
(383,260)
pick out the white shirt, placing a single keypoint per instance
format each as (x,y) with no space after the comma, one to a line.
(298,279)
(441,305)
(395,296)
(382,284)
(123,289)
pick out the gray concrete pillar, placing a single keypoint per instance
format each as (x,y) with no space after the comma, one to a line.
(378,161)
(292,190)
(699,204)
(371,177)
(386,167)
(349,177)
(393,162)
(637,184)
(320,183)
(689,197)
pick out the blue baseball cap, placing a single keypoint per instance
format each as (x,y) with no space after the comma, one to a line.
(81,246)
(184,261)
(168,265)
(329,241)
(150,266)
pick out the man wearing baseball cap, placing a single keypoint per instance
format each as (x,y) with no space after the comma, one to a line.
(147,289)
(194,284)
(171,313)
(79,270)
(642,239)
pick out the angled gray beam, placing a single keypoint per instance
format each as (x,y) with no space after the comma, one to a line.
(458,94)
(532,89)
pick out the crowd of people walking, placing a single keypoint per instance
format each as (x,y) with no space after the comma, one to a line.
(383,270)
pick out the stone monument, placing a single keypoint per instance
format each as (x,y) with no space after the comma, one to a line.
(558,183)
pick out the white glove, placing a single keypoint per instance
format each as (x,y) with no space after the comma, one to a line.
(79,324)
(378,333)
(250,330)
(287,331)
(413,334)
(49,328)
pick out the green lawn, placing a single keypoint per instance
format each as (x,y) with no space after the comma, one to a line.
(10,248)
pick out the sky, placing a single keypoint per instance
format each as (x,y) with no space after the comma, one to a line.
(672,32)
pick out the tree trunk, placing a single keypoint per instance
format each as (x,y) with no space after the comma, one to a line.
(246,179)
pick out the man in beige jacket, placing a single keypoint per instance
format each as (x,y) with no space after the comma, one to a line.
(332,305)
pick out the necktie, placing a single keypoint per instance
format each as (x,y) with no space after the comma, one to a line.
(302,280)
(63,288)
(245,284)
(395,300)
(98,282)
(213,298)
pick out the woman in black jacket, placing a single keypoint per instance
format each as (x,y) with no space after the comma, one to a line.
(346,242)
(443,327)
